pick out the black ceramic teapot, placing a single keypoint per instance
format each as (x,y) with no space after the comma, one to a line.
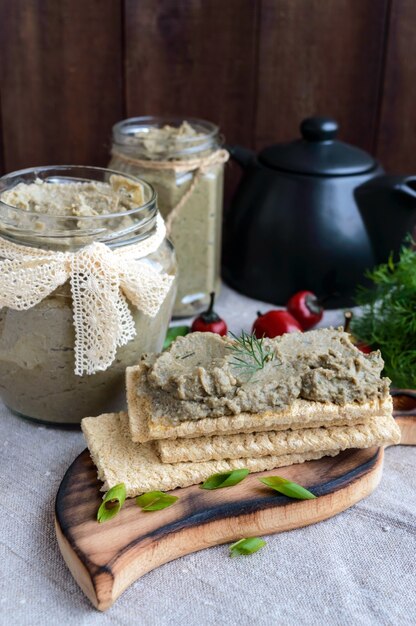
(313,214)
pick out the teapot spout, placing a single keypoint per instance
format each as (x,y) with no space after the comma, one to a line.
(388,208)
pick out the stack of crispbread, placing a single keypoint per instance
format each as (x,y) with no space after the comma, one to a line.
(192,412)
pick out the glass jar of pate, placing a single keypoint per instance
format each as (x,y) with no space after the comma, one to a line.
(184,162)
(76,243)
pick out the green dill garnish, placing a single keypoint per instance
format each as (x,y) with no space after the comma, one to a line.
(249,353)
(186,356)
(388,321)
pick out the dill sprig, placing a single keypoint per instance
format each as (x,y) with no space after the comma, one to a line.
(249,353)
(388,321)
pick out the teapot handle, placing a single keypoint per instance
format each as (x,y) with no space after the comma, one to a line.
(243,156)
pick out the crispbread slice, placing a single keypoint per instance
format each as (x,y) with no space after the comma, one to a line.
(147,424)
(381,430)
(119,460)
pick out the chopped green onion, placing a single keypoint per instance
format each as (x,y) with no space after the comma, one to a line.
(227,479)
(112,503)
(246,546)
(173,333)
(155,501)
(287,488)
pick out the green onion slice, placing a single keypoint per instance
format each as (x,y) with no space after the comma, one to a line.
(155,501)
(227,479)
(112,503)
(287,488)
(246,546)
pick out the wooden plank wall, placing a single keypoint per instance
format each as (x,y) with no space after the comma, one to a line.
(320,56)
(61,84)
(70,69)
(396,137)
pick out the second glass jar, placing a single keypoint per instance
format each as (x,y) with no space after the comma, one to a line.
(158,150)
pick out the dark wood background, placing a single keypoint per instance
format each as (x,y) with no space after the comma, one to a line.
(69,69)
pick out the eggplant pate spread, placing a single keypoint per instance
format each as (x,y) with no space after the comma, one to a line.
(199,376)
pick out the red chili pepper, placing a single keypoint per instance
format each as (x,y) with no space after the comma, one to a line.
(305,308)
(209,321)
(275,323)
(363,347)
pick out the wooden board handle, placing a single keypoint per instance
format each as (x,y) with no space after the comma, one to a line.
(404,410)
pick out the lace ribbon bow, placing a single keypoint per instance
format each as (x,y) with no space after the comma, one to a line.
(101,281)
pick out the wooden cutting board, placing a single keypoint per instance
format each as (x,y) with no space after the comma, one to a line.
(106,558)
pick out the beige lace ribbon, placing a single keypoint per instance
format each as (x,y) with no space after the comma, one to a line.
(101,281)
(198,166)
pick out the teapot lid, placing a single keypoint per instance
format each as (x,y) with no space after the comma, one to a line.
(318,152)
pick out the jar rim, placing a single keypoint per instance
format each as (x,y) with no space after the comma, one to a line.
(43,229)
(130,135)
(205,128)
(15,175)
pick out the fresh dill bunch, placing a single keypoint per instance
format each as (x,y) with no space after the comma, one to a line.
(388,320)
(249,353)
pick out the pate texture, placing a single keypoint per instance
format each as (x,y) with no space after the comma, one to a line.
(197,377)
(77,199)
(161,143)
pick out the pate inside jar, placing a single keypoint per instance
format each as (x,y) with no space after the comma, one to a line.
(184,162)
(65,209)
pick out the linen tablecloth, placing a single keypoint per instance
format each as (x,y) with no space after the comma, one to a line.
(358,568)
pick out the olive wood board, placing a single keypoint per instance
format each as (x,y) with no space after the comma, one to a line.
(107,558)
